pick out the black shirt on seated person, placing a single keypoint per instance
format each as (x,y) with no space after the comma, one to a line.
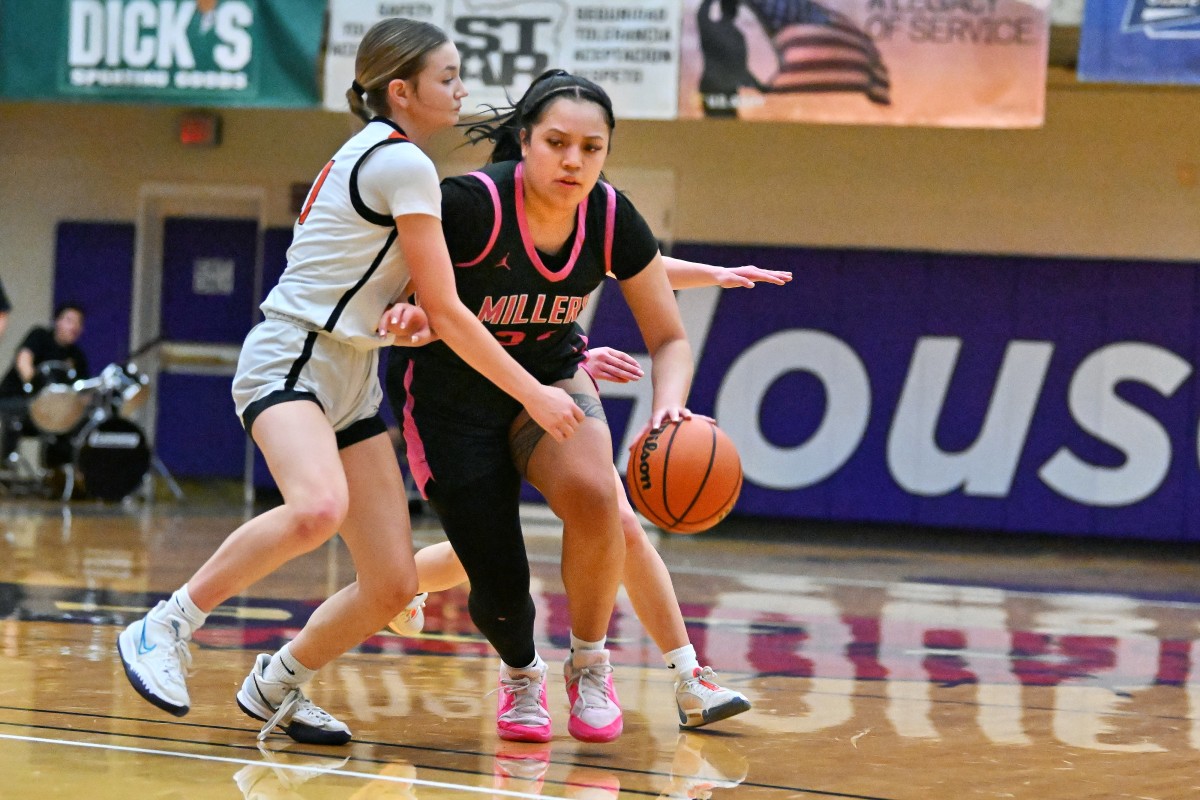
(40,341)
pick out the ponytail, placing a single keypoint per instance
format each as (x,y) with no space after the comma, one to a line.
(393,49)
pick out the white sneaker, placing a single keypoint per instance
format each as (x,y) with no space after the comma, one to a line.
(281,704)
(280,773)
(154,652)
(701,700)
(702,764)
(595,707)
(411,620)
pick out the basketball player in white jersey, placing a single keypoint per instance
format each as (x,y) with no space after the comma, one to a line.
(307,389)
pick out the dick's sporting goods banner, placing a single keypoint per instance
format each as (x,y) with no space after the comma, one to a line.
(1140,41)
(630,47)
(207,52)
(956,63)
(1015,394)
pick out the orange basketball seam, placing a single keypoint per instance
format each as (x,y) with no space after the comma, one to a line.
(726,506)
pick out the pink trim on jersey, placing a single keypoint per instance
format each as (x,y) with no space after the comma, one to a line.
(530,250)
(610,226)
(495,193)
(418,464)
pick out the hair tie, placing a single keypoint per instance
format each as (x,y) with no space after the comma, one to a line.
(357,88)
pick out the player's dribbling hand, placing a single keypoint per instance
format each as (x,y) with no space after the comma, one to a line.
(662,416)
(408,323)
(555,411)
(607,364)
(746,277)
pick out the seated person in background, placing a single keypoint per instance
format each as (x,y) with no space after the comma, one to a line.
(40,346)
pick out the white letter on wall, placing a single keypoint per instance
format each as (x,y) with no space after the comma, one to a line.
(986,468)
(1097,409)
(847,407)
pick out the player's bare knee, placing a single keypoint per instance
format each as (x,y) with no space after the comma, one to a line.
(317,518)
(396,593)
(387,589)
(636,540)
(588,497)
(631,526)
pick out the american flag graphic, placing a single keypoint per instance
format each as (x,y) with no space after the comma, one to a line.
(821,50)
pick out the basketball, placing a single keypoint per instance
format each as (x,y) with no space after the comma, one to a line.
(684,477)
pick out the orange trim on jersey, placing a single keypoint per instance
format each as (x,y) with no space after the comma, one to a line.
(312,194)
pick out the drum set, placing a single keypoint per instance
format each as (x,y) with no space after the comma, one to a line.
(110,454)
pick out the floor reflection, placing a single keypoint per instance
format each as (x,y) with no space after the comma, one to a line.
(880,673)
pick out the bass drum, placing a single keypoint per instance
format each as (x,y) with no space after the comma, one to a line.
(113,458)
(56,406)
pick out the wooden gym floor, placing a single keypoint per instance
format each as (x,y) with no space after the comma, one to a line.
(883,664)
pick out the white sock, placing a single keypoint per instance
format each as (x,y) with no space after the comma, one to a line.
(181,606)
(284,668)
(578,644)
(682,661)
(535,664)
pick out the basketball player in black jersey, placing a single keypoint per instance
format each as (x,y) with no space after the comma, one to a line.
(700,700)
(531,236)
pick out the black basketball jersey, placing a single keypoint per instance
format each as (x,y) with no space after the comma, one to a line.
(530,300)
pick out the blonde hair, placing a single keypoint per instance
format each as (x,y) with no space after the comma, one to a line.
(392,49)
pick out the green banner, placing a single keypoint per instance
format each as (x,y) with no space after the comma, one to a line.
(183,52)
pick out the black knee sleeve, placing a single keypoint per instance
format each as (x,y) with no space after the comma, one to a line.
(482,522)
(510,630)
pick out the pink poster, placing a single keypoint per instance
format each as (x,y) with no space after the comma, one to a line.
(949,63)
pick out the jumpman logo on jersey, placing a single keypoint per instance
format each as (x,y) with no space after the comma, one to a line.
(503,263)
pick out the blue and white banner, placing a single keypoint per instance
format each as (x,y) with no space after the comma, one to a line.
(1017,394)
(1140,41)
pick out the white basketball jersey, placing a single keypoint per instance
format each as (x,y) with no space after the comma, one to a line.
(344,265)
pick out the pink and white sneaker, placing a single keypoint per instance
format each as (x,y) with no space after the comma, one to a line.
(521,767)
(521,712)
(595,708)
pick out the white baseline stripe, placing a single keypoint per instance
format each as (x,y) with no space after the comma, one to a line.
(260,763)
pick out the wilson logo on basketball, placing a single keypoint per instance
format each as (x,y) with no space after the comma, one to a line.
(647,448)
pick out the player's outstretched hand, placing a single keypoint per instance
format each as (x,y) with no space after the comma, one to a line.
(616,366)
(409,323)
(555,411)
(746,277)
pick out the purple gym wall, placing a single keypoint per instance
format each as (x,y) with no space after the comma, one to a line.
(832,386)
(1018,394)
